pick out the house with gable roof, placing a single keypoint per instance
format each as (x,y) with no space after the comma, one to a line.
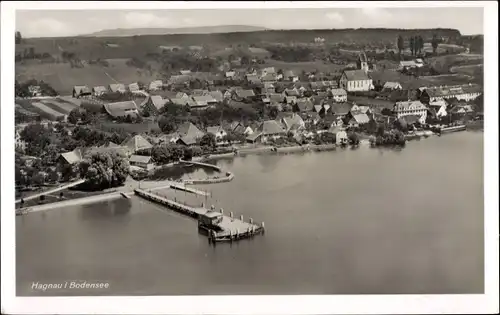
(187,134)
(118,88)
(81,90)
(99,90)
(269,129)
(136,144)
(121,109)
(134,87)
(293,123)
(153,104)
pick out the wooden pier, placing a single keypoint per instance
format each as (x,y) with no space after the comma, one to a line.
(226,229)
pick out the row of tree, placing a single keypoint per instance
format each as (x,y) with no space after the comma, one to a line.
(416,44)
(390,138)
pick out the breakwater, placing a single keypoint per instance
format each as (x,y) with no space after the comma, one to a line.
(213,180)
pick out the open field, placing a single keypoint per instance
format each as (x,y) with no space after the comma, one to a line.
(414,83)
(298,67)
(63,78)
(467,70)
(450,61)
(70,100)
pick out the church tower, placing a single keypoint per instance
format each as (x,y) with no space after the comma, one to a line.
(363,62)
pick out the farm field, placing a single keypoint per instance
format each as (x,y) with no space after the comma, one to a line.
(50,109)
(60,106)
(47,110)
(63,78)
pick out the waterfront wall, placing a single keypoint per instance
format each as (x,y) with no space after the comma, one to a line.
(229,177)
(453,129)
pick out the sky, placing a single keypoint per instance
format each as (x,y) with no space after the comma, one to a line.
(54,23)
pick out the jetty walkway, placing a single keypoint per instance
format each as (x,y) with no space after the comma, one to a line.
(230,228)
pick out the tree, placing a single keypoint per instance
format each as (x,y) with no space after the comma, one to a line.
(273,112)
(53,176)
(386,111)
(412,45)
(353,138)
(68,172)
(188,154)
(420,44)
(328,137)
(104,170)
(479,103)
(167,124)
(74,116)
(39,179)
(208,140)
(401,44)
(435,43)
(18,38)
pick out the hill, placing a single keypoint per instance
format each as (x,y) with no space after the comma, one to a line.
(113,47)
(121,32)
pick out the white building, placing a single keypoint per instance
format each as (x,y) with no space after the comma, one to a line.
(339,95)
(356,81)
(466,93)
(407,108)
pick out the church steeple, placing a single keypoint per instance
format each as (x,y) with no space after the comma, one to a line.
(363,61)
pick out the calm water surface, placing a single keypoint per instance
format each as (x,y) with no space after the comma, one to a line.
(363,221)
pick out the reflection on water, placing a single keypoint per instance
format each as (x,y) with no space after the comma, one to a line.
(269,162)
(106,210)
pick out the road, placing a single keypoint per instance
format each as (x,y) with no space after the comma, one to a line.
(78,182)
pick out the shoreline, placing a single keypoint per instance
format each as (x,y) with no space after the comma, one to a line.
(199,160)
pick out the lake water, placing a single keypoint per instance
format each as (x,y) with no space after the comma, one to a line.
(363,221)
